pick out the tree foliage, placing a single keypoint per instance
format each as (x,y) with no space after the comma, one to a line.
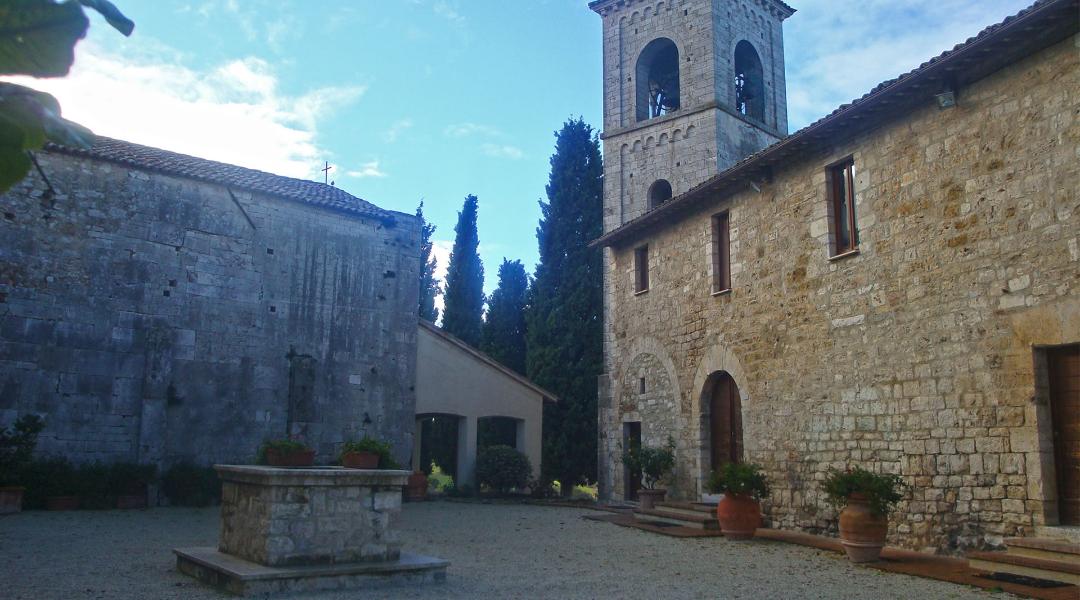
(564,334)
(429,284)
(464,298)
(504,328)
(37,38)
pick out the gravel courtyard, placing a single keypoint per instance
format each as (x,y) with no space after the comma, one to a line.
(496,551)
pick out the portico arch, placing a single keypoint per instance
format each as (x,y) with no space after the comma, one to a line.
(718,363)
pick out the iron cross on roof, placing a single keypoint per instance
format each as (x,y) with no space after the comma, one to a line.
(326,173)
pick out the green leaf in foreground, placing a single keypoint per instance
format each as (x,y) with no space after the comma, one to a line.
(37,37)
(112,14)
(28,119)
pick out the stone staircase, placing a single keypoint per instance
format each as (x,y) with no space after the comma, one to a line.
(1041,558)
(695,515)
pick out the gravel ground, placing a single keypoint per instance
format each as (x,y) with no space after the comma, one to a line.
(496,551)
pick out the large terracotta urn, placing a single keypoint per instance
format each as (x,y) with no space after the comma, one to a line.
(739,516)
(647,499)
(862,532)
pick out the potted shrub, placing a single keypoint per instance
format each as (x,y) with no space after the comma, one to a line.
(94,487)
(866,499)
(368,453)
(286,453)
(51,484)
(739,509)
(16,447)
(502,468)
(653,464)
(129,481)
(186,484)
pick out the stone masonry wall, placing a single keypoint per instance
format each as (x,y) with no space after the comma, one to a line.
(153,318)
(920,354)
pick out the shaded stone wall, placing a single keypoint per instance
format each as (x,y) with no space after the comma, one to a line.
(154,318)
(920,354)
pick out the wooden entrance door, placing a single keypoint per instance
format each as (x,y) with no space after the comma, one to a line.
(1064,370)
(631,441)
(725,421)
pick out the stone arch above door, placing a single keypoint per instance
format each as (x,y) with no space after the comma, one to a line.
(647,346)
(717,358)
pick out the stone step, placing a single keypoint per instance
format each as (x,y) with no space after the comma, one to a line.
(687,508)
(1041,568)
(1046,548)
(697,521)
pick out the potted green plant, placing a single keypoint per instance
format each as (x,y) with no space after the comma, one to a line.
(653,464)
(743,486)
(16,447)
(368,453)
(866,499)
(286,453)
(129,482)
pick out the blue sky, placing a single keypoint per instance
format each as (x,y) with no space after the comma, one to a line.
(434,99)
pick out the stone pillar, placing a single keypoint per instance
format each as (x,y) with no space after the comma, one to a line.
(417,439)
(466,453)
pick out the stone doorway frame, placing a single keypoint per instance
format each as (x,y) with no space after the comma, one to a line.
(718,358)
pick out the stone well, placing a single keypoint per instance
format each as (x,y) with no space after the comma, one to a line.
(288,529)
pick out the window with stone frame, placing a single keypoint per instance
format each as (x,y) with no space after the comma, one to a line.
(844,230)
(749,82)
(641,269)
(721,253)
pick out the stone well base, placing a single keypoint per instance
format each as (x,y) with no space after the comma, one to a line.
(245,578)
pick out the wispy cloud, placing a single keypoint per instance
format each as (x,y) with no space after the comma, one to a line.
(502,151)
(467,129)
(399,127)
(233,112)
(445,10)
(368,169)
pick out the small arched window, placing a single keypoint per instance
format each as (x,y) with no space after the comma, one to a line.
(749,82)
(659,193)
(657,73)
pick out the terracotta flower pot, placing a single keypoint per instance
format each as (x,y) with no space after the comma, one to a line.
(739,516)
(649,498)
(62,503)
(416,489)
(862,532)
(360,460)
(303,458)
(11,499)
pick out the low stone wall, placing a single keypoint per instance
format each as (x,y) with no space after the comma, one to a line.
(278,517)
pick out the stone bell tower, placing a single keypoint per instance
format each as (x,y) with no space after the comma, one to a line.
(690,88)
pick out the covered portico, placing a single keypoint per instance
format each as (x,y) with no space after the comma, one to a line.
(458,382)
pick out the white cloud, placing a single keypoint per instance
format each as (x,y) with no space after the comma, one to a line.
(441,249)
(392,134)
(234,112)
(502,151)
(467,129)
(368,169)
(448,12)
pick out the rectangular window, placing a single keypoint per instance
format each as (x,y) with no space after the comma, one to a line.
(841,181)
(641,269)
(721,235)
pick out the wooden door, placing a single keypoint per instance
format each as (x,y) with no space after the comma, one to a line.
(631,441)
(725,422)
(1064,370)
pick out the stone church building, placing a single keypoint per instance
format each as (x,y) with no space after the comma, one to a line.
(895,286)
(157,307)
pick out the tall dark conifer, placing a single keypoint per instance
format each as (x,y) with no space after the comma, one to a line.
(504,328)
(565,331)
(429,284)
(463,308)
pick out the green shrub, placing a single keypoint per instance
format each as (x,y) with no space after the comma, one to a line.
(882,491)
(94,486)
(283,446)
(652,463)
(369,444)
(502,468)
(739,478)
(126,478)
(17,447)
(47,477)
(185,484)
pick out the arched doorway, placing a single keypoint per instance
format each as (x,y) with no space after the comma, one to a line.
(724,420)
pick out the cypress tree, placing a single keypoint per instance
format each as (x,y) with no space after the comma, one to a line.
(504,328)
(565,315)
(464,297)
(429,284)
